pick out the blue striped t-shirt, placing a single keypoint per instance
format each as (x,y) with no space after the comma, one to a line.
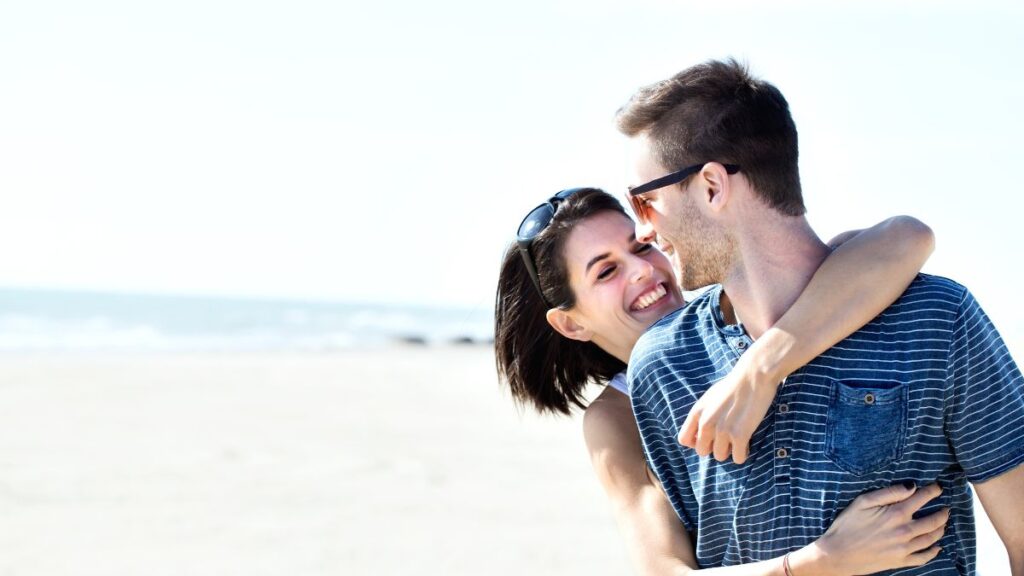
(926,392)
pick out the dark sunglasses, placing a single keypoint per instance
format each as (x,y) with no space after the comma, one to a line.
(536,222)
(635,193)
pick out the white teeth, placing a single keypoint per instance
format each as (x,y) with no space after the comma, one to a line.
(651,297)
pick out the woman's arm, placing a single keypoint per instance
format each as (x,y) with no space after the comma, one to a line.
(862,276)
(654,536)
(876,532)
(866,272)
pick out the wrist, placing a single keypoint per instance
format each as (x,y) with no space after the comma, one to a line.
(812,560)
(767,358)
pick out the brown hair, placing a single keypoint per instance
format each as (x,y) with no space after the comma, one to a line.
(541,367)
(716,111)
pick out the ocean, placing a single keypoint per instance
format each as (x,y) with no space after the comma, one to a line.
(80,321)
(74,321)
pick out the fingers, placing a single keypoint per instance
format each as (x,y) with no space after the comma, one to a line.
(926,540)
(885,496)
(742,431)
(740,449)
(929,523)
(722,446)
(713,430)
(923,557)
(712,438)
(705,438)
(921,497)
(688,433)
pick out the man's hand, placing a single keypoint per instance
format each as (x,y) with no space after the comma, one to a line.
(726,416)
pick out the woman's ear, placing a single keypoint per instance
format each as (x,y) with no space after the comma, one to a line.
(566,325)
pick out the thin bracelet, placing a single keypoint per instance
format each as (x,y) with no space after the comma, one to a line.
(785,564)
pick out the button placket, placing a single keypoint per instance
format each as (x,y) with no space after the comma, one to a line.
(783,435)
(782,453)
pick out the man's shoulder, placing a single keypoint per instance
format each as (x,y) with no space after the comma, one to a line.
(929,295)
(677,334)
(937,286)
(919,326)
(668,328)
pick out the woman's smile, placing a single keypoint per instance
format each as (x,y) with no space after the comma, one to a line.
(649,297)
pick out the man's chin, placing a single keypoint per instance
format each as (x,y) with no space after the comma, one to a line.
(691,286)
(680,272)
(692,282)
(688,282)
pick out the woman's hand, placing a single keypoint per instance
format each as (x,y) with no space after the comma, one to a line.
(724,418)
(877,532)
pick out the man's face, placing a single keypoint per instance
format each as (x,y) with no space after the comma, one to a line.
(696,245)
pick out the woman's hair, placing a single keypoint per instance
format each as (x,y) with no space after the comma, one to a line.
(543,368)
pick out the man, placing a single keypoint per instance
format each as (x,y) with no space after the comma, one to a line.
(926,393)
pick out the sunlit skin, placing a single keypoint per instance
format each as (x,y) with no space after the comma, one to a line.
(613,276)
(696,245)
(617,281)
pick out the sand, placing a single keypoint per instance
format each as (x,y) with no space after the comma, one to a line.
(407,460)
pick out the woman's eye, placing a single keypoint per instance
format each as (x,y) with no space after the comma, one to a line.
(606,273)
(644,248)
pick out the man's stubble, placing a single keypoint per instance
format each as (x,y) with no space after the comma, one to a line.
(704,251)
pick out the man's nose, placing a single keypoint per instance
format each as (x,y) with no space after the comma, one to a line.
(645,232)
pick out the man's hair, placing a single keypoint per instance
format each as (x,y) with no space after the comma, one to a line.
(718,112)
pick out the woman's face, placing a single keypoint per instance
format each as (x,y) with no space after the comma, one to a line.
(621,285)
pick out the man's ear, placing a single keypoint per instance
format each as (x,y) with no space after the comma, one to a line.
(566,325)
(715,186)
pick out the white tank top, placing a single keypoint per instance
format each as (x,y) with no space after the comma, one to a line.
(619,383)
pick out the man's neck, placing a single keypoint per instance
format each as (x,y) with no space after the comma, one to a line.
(776,258)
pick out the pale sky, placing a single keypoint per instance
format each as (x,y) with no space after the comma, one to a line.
(386,151)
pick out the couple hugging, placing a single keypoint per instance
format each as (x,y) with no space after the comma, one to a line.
(820,409)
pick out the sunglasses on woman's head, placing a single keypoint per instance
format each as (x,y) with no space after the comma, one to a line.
(635,194)
(536,222)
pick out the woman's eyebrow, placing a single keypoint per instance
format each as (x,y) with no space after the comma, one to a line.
(595,260)
(631,239)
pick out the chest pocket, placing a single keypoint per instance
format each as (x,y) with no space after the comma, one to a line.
(866,427)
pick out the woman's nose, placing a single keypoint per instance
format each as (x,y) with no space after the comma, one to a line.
(642,270)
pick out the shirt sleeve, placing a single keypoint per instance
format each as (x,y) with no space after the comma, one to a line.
(985,414)
(650,408)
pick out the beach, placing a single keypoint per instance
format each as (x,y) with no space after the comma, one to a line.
(389,460)
(356,462)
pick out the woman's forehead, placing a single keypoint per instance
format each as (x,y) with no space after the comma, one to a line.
(596,235)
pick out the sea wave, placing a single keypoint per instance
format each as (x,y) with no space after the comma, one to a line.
(96,322)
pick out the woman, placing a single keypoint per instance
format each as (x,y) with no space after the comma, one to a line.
(576,292)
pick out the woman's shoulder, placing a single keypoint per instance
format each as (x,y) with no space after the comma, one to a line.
(608,421)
